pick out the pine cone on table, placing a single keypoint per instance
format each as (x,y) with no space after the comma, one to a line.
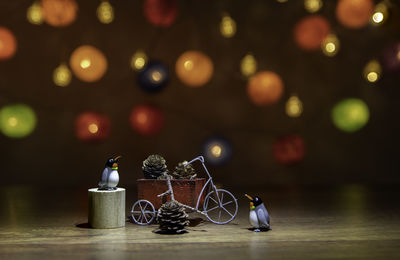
(172,218)
(182,172)
(154,166)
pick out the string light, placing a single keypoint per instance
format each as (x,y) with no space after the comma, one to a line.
(216,150)
(380,14)
(34,14)
(62,75)
(350,114)
(313,6)
(330,45)
(372,71)
(227,26)
(294,107)
(248,65)
(17,120)
(105,12)
(138,60)
(93,128)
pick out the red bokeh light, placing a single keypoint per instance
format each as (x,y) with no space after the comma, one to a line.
(147,120)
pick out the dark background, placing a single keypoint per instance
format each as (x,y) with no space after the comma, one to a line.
(52,155)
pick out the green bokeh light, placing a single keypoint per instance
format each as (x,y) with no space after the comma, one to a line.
(17,120)
(350,115)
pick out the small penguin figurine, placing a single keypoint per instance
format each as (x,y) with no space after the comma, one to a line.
(259,217)
(110,177)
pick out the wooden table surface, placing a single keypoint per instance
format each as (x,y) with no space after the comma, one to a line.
(348,222)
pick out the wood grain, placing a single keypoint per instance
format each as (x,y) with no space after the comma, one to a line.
(349,223)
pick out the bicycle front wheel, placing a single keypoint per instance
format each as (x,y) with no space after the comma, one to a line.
(220,206)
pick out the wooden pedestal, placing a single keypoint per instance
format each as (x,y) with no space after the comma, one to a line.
(106,208)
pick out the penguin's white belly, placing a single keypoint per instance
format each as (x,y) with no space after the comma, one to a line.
(253,219)
(113,179)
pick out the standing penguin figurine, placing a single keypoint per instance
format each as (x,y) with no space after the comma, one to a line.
(259,217)
(110,177)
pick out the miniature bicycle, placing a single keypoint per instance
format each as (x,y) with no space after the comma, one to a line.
(220,206)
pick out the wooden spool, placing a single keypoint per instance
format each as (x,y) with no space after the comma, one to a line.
(106,208)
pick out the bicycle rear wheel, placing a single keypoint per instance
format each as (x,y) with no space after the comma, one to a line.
(220,206)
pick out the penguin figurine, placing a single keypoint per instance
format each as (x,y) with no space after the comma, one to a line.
(110,177)
(259,217)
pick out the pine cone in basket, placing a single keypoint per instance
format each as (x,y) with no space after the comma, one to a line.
(182,172)
(172,218)
(154,166)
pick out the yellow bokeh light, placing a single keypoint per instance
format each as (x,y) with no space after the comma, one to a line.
(227,26)
(34,14)
(372,71)
(372,76)
(138,60)
(380,14)
(216,150)
(12,121)
(156,76)
(85,63)
(398,55)
(330,45)
(105,12)
(188,65)
(93,128)
(294,107)
(282,1)
(62,75)
(248,65)
(313,6)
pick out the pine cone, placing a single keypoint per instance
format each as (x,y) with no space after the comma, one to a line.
(164,177)
(182,172)
(172,218)
(154,166)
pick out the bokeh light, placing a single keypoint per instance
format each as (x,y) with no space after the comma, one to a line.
(265,88)
(354,14)
(294,106)
(217,150)
(310,32)
(105,12)
(330,45)
(194,68)
(227,26)
(289,149)
(88,63)
(313,6)
(161,13)
(138,60)
(154,76)
(350,115)
(59,13)
(248,65)
(380,14)
(17,120)
(8,44)
(34,14)
(62,75)
(92,126)
(147,120)
(372,71)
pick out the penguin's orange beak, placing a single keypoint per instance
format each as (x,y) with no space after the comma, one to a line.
(248,196)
